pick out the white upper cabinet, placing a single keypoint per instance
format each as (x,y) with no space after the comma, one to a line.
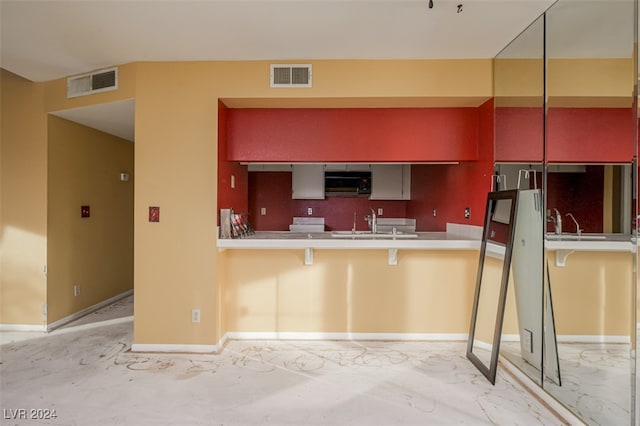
(390,182)
(307,181)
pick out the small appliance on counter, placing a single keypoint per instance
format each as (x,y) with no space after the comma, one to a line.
(307,224)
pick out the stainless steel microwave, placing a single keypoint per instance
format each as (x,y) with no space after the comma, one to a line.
(347,183)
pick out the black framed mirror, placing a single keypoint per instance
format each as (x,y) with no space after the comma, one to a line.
(483,347)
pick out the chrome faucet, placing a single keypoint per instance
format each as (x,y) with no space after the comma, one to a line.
(373,222)
(578,230)
(558,222)
(353,230)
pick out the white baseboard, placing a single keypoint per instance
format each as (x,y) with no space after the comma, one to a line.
(579,338)
(86,311)
(201,349)
(275,335)
(23,327)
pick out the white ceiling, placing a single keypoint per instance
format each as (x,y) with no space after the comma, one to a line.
(116,118)
(42,40)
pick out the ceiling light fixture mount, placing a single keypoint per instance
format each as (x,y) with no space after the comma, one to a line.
(430,4)
(460,8)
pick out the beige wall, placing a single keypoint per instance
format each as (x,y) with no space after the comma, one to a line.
(23,202)
(95,253)
(571,82)
(176,164)
(177,265)
(349,291)
(590,82)
(592,294)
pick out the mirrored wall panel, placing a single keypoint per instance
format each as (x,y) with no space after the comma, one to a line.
(519,97)
(519,142)
(591,143)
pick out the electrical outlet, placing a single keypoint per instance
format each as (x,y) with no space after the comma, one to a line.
(467,213)
(76,290)
(309,211)
(380,212)
(195,315)
(435,213)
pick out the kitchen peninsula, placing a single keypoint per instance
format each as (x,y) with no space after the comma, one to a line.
(317,286)
(287,285)
(458,237)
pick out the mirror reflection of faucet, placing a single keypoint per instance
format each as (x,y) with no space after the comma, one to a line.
(557,221)
(578,230)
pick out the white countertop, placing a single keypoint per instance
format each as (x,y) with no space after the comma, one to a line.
(423,241)
(324,240)
(609,242)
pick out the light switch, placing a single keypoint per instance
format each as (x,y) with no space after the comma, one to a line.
(233,181)
(380,211)
(263,211)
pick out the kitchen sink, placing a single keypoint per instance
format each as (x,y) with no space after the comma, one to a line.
(369,235)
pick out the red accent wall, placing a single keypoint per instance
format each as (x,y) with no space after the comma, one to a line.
(590,135)
(235,198)
(450,188)
(519,134)
(353,135)
(578,135)
(272,190)
(580,194)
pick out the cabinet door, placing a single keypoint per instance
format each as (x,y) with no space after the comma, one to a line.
(307,181)
(390,182)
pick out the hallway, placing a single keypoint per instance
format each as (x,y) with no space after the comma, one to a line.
(86,373)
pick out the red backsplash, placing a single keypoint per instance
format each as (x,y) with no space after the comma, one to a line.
(580,194)
(272,190)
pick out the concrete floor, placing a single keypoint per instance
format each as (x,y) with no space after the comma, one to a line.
(86,373)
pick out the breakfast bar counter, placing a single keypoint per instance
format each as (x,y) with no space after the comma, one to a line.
(330,240)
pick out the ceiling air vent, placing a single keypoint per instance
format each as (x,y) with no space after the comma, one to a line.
(285,75)
(95,82)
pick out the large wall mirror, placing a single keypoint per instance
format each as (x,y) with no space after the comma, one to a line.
(519,142)
(590,147)
(566,107)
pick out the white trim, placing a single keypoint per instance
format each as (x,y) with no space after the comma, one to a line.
(23,327)
(595,338)
(86,311)
(95,325)
(566,416)
(150,347)
(223,341)
(294,335)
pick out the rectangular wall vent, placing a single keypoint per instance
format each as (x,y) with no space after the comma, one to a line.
(290,75)
(94,82)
